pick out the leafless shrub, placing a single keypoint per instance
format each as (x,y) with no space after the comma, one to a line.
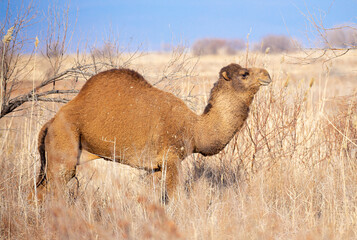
(342,123)
(217,46)
(342,36)
(166,47)
(329,43)
(15,63)
(277,44)
(18,67)
(110,54)
(290,169)
(108,49)
(180,67)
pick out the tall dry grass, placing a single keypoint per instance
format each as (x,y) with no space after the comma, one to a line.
(290,173)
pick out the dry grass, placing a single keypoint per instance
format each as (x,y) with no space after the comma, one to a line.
(290,173)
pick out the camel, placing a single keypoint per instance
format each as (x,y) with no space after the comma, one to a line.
(119,116)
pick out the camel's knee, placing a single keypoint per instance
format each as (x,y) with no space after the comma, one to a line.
(54,185)
(37,193)
(60,174)
(68,174)
(57,177)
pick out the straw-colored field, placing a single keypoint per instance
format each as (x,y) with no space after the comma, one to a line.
(290,173)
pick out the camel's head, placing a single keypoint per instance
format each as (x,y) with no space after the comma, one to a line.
(245,79)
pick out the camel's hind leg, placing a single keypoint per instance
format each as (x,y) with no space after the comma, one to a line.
(62,146)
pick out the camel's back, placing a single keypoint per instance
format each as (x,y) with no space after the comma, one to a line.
(109,82)
(122,105)
(114,89)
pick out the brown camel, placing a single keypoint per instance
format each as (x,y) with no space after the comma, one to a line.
(119,116)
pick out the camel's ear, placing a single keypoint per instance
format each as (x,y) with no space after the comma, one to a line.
(225,76)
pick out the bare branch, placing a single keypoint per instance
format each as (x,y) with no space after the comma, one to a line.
(19,100)
(16,65)
(334,42)
(58,100)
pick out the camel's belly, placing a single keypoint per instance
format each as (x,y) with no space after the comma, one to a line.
(137,153)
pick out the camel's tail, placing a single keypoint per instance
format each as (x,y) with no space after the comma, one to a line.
(41,148)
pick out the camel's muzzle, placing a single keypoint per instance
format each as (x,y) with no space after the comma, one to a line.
(264,82)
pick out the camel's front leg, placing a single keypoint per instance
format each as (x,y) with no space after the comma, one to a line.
(172,178)
(167,176)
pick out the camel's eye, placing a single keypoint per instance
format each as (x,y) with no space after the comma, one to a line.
(245,74)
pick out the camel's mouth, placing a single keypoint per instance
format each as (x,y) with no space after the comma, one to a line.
(264,82)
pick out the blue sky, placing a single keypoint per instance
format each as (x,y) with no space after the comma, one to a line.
(153,23)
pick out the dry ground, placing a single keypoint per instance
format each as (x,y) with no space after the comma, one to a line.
(291,172)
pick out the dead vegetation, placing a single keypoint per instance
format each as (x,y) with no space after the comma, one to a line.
(289,174)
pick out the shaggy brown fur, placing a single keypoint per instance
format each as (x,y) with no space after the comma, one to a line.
(148,128)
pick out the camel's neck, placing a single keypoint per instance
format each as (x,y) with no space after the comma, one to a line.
(223,117)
